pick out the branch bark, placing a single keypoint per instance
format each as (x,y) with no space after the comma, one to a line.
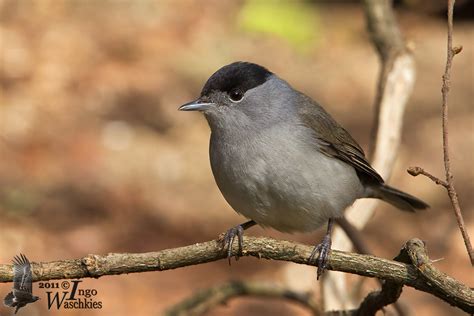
(389,293)
(422,276)
(201,302)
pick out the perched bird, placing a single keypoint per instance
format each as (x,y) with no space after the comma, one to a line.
(22,293)
(281,160)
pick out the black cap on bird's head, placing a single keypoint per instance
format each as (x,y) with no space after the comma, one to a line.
(232,80)
(239,75)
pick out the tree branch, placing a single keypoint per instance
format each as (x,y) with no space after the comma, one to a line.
(201,302)
(389,293)
(380,298)
(423,276)
(449,183)
(377,300)
(396,78)
(394,86)
(205,300)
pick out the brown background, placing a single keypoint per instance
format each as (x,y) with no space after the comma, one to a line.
(94,157)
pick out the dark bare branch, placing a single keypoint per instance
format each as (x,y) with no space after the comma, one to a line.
(380,298)
(389,293)
(205,300)
(377,300)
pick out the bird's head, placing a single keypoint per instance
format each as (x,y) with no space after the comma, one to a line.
(239,94)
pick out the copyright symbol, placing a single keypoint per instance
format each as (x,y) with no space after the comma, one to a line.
(65,285)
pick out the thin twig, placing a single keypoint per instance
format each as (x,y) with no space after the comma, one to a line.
(449,183)
(416,171)
(95,266)
(447,164)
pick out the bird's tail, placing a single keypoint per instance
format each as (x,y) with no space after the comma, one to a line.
(8,300)
(397,198)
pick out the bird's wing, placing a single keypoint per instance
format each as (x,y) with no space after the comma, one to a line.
(22,296)
(22,280)
(9,299)
(335,141)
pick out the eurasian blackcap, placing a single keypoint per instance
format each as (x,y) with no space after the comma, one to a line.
(280,159)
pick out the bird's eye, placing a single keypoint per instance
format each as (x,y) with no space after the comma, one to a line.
(236,95)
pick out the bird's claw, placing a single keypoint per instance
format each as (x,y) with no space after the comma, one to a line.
(322,252)
(228,241)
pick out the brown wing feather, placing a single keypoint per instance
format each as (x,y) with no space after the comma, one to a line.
(335,141)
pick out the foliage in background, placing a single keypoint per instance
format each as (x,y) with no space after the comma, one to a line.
(295,21)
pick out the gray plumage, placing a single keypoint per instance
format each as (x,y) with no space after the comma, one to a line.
(22,293)
(279,158)
(269,166)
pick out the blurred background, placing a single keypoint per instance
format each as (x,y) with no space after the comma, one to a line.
(95,158)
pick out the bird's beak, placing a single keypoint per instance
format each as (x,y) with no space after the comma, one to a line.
(196,105)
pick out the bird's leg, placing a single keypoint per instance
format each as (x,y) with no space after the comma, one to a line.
(323,250)
(230,235)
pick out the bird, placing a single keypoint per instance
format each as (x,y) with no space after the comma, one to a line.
(22,292)
(281,160)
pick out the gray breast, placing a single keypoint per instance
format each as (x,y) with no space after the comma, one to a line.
(277,177)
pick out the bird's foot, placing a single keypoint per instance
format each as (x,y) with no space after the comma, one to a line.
(228,240)
(322,252)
